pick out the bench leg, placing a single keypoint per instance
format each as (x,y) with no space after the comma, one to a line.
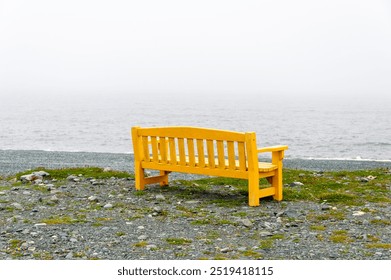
(164,180)
(139,178)
(253,190)
(276,182)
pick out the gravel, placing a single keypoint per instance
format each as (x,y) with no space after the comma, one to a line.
(79,220)
(92,218)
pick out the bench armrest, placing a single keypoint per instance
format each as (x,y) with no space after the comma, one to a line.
(273,149)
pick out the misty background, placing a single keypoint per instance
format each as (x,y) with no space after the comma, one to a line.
(76,75)
(195,47)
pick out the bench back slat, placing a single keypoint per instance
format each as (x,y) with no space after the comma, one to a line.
(200,152)
(145,144)
(231,155)
(242,156)
(211,155)
(220,154)
(172,148)
(190,149)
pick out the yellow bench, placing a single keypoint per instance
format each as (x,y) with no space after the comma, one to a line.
(208,152)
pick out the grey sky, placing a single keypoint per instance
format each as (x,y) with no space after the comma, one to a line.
(189,47)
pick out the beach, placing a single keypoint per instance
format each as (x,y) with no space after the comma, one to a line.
(13,161)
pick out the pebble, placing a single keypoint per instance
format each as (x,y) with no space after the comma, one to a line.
(108,205)
(93,198)
(296,184)
(160,197)
(17,206)
(142,237)
(247,223)
(358,213)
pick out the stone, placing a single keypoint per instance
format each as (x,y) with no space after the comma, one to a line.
(192,202)
(41,173)
(160,197)
(54,198)
(108,205)
(73,178)
(151,247)
(93,198)
(107,169)
(69,255)
(142,237)
(246,222)
(225,250)
(296,184)
(17,206)
(326,207)
(40,224)
(265,233)
(358,213)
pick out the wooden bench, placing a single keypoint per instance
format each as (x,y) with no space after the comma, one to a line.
(208,152)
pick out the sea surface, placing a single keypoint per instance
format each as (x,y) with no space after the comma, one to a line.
(325,127)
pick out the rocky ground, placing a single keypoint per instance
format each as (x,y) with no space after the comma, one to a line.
(88,218)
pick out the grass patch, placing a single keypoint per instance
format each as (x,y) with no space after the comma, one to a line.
(379,245)
(140,244)
(64,220)
(178,241)
(340,236)
(318,227)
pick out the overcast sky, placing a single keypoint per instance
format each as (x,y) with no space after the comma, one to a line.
(189,47)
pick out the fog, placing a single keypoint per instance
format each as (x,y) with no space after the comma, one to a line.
(331,48)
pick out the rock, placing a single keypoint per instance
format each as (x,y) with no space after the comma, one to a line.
(73,240)
(326,207)
(41,173)
(17,206)
(225,250)
(241,249)
(265,233)
(107,169)
(142,237)
(157,209)
(246,222)
(93,198)
(29,178)
(54,198)
(151,247)
(108,205)
(192,202)
(40,224)
(160,197)
(296,184)
(73,178)
(69,255)
(358,213)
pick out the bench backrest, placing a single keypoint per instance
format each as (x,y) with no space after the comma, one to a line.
(195,147)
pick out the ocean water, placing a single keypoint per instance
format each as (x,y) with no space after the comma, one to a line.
(314,127)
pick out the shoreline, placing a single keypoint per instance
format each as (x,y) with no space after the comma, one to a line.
(14,161)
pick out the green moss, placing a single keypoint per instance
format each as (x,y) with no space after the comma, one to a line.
(386,246)
(178,241)
(57,220)
(318,227)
